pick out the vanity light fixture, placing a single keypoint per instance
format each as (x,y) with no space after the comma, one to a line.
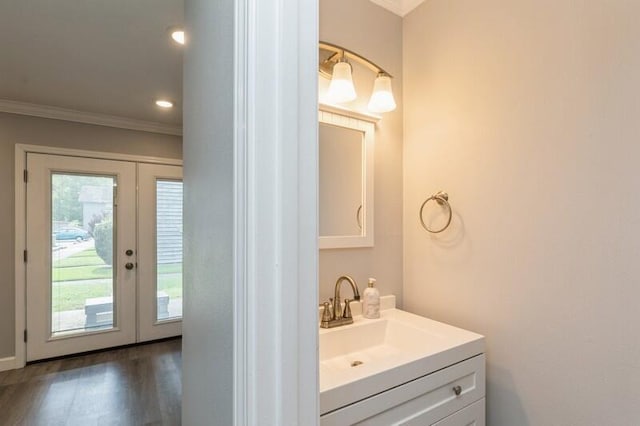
(341,88)
(334,65)
(163,103)
(382,96)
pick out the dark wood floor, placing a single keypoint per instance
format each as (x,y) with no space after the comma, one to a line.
(139,385)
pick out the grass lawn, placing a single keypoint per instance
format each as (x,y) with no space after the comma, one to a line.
(87,265)
(171,284)
(170,268)
(86,253)
(84,258)
(81,273)
(84,275)
(71,295)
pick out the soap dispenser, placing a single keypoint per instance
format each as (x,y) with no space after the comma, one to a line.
(371,301)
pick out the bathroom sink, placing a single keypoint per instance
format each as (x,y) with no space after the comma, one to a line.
(372,355)
(371,344)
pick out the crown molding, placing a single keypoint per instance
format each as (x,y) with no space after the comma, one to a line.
(64,114)
(399,7)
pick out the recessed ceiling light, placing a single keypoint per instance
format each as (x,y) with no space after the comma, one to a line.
(178,36)
(162,103)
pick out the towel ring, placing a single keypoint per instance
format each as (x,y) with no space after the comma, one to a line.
(442,198)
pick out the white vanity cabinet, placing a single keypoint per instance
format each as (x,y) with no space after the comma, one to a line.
(452,396)
(401,369)
(471,415)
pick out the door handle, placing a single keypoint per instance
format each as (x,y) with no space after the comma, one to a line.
(129,266)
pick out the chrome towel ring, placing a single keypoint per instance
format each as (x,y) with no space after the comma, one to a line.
(442,198)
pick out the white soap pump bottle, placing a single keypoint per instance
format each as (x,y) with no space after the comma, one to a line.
(371,301)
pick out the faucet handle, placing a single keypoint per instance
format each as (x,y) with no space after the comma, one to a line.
(347,309)
(326,315)
(326,312)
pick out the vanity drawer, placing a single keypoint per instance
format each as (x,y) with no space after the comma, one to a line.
(422,401)
(471,415)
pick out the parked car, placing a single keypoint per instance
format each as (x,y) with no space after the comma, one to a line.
(77,234)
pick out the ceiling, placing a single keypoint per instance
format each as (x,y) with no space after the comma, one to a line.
(103,57)
(399,7)
(112,57)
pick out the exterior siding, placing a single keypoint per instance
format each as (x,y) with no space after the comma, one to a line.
(169,221)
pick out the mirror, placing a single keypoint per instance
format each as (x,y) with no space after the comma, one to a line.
(346,179)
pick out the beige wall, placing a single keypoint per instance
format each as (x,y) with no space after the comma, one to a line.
(526,112)
(375,33)
(16,129)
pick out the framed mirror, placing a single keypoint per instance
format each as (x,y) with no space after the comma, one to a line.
(346,152)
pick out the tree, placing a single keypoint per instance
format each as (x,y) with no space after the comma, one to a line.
(95,220)
(103,236)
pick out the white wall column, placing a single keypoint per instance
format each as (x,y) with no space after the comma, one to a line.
(250,153)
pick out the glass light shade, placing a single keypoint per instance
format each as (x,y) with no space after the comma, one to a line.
(178,36)
(163,103)
(341,88)
(382,96)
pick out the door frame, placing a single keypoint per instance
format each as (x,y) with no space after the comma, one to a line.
(275,133)
(20,226)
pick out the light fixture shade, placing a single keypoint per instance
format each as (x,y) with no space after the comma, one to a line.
(341,88)
(382,96)
(163,103)
(178,36)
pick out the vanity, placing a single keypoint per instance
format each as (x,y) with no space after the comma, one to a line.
(401,369)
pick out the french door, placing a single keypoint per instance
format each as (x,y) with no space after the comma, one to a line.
(104,253)
(159,251)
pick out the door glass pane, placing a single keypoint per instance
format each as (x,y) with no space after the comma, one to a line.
(81,252)
(169,249)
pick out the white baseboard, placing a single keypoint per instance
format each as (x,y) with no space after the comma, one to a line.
(8,363)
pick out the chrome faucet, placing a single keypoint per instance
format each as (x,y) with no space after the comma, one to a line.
(336,317)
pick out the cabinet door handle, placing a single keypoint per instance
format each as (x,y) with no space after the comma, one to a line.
(457,390)
(129,266)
